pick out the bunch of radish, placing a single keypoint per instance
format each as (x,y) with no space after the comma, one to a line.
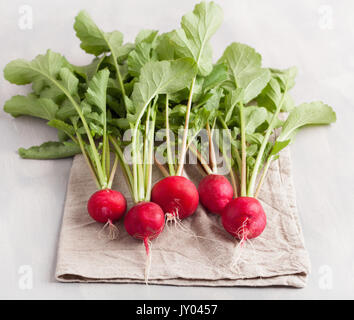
(166,81)
(249,113)
(106,205)
(146,219)
(84,123)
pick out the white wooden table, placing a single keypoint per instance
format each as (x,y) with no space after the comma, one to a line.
(316,36)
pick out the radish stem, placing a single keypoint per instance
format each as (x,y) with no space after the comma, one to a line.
(237,154)
(264,174)
(116,66)
(150,151)
(211,150)
(162,168)
(114,168)
(140,171)
(229,166)
(168,142)
(185,133)
(256,167)
(126,169)
(81,144)
(243,151)
(200,158)
(146,142)
(108,158)
(201,169)
(233,182)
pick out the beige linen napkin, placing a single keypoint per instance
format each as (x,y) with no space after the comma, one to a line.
(277,257)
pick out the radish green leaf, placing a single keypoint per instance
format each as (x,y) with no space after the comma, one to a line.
(32,106)
(245,69)
(192,40)
(50,150)
(307,114)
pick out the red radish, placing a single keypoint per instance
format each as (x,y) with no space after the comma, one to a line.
(145,221)
(107,206)
(215,192)
(176,195)
(244,218)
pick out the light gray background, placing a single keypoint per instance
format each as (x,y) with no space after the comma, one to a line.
(316,36)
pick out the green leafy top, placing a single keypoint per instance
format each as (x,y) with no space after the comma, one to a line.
(168,81)
(245,70)
(192,40)
(97,42)
(162,77)
(93,39)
